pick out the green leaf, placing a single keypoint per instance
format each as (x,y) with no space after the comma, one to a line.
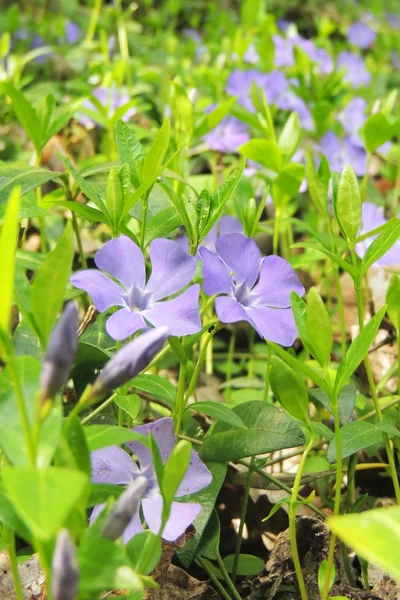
(377,130)
(288,182)
(389,236)
(348,204)
(264,152)
(299,365)
(156,386)
(289,139)
(114,198)
(25,115)
(212,119)
(156,153)
(25,176)
(219,412)
(316,188)
(355,436)
(86,212)
(48,288)
(247,565)
(322,576)
(144,551)
(129,149)
(130,404)
(174,472)
(73,450)
(392,301)
(8,246)
(358,349)
(268,429)
(221,196)
(101,436)
(319,327)
(299,309)
(374,535)
(162,224)
(50,433)
(209,544)
(339,261)
(44,498)
(346,401)
(206,498)
(290,389)
(86,188)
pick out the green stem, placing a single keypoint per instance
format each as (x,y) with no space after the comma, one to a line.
(75,225)
(267,385)
(23,413)
(229,582)
(351,487)
(180,402)
(9,538)
(99,409)
(229,364)
(94,18)
(200,361)
(213,578)
(292,519)
(364,182)
(339,294)
(242,520)
(275,239)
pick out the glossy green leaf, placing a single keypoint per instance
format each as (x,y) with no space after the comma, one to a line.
(319,327)
(316,188)
(348,204)
(8,246)
(290,137)
(86,188)
(389,236)
(299,365)
(26,177)
(25,115)
(377,130)
(130,404)
(355,436)
(156,386)
(374,535)
(48,288)
(174,472)
(393,301)
(218,411)
(144,551)
(358,349)
(209,544)
(290,389)
(162,224)
(101,436)
(248,564)
(339,261)
(213,118)
(44,498)
(114,198)
(322,576)
(157,151)
(264,152)
(129,149)
(268,429)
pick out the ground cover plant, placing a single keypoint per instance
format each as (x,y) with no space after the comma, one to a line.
(200,300)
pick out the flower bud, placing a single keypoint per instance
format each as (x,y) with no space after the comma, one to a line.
(65,574)
(130,361)
(124,509)
(60,353)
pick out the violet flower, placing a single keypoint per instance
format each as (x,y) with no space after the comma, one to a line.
(113,465)
(356,73)
(228,135)
(373,217)
(172,270)
(240,83)
(290,101)
(258,291)
(226,224)
(111,99)
(353,116)
(361,35)
(339,152)
(73,32)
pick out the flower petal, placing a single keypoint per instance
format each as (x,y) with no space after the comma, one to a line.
(182,515)
(112,465)
(216,277)
(172,268)
(163,432)
(122,259)
(124,323)
(196,477)
(103,291)
(181,315)
(229,310)
(274,324)
(242,255)
(277,281)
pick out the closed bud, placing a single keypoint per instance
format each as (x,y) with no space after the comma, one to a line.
(65,574)
(60,353)
(129,361)
(124,509)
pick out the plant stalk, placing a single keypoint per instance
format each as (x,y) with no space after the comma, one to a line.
(242,520)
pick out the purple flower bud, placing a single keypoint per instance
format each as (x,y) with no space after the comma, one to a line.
(124,509)
(60,353)
(65,574)
(130,360)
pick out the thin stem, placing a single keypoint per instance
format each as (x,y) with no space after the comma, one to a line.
(229,364)
(266,387)
(275,239)
(43,244)
(75,225)
(180,403)
(292,519)
(229,582)
(144,217)
(200,361)
(99,409)
(9,538)
(364,182)
(339,294)
(351,487)
(213,578)
(242,520)
(94,17)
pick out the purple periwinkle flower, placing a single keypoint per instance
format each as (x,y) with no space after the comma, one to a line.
(251,55)
(129,361)
(257,291)
(352,116)
(141,303)
(373,217)
(339,152)
(228,135)
(290,101)
(361,35)
(65,574)
(60,354)
(111,99)
(240,83)
(226,224)
(114,465)
(356,73)
(283,55)
(73,32)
